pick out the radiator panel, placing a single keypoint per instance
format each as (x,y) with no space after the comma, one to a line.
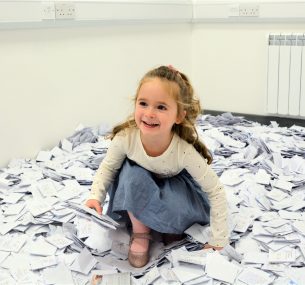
(286,70)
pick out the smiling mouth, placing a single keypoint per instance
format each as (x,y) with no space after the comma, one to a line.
(150,125)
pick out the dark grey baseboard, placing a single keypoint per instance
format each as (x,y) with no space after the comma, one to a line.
(264,120)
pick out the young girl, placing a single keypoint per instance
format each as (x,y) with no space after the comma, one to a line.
(156,169)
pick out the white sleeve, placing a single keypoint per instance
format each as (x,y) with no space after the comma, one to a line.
(205,176)
(109,167)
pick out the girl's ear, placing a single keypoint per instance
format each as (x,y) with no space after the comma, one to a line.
(180,117)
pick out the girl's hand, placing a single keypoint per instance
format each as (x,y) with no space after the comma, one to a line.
(94,204)
(208,246)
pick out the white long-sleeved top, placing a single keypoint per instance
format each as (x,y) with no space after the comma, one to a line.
(178,156)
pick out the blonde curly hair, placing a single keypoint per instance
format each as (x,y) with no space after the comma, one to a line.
(186,101)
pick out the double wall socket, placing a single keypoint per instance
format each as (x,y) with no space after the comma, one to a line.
(57,10)
(248,10)
(64,10)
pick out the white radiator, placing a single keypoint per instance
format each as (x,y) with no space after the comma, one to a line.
(286,74)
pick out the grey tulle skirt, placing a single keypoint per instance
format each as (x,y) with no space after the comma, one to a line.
(166,205)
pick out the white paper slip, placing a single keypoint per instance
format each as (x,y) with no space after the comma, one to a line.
(255,257)
(187,272)
(228,272)
(269,216)
(42,262)
(296,274)
(13,242)
(62,212)
(284,204)
(37,207)
(44,155)
(14,209)
(7,227)
(225,140)
(199,233)
(167,274)
(92,212)
(120,249)
(3,255)
(203,280)
(102,272)
(298,205)
(83,226)
(103,222)
(150,276)
(80,173)
(281,256)
(47,187)
(280,231)
(41,247)
(282,184)
(7,280)
(118,279)
(66,145)
(263,201)
(302,248)
(262,177)
(275,267)
(194,257)
(242,223)
(58,240)
(253,276)
(84,262)
(228,179)
(290,215)
(59,274)
(275,223)
(299,226)
(12,198)
(99,238)
(4,182)
(276,246)
(231,252)
(64,219)
(35,191)
(30,174)
(277,195)
(22,274)
(68,193)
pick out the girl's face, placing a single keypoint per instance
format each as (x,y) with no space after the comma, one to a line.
(156,110)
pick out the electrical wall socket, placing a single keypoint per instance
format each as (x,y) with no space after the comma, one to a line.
(248,10)
(65,10)
(233,10)
(47,10)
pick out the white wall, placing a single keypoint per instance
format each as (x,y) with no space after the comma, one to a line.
(54,79)
(229,63)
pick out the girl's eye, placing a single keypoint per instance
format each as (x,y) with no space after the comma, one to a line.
(162,107)
(141,103)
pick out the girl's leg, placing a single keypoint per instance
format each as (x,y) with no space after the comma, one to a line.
(139,244)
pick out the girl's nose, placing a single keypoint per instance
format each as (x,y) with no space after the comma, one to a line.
(150,113)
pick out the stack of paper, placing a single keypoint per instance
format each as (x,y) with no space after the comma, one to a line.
(48,236)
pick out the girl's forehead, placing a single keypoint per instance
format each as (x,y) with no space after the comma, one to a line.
(156,83)
(153,81)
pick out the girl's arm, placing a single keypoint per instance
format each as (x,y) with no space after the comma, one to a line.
(107,170)
(204,175)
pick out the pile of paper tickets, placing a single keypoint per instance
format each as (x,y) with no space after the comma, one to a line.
(48,236)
